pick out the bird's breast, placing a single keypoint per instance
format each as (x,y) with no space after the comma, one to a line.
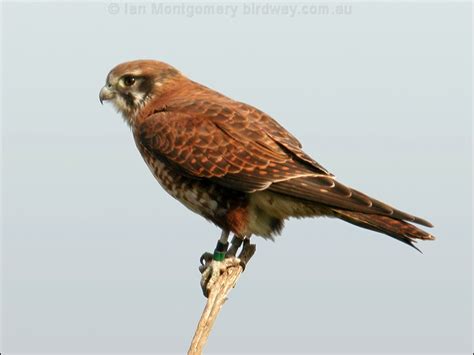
(202,197)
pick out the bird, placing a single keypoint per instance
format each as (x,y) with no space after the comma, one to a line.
(235,165)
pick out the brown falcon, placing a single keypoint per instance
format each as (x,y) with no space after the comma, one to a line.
(233,164)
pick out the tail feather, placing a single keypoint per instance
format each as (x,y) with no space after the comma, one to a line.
(398,229)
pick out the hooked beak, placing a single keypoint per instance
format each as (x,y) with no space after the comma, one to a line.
(105,94)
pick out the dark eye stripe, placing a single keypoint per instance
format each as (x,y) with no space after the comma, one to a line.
(129,100)
(142,88)
(146,85)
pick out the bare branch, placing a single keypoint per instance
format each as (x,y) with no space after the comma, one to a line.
(217,297)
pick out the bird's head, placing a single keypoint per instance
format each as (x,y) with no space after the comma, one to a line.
(129,86)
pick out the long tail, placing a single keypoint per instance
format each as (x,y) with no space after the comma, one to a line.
(398,229)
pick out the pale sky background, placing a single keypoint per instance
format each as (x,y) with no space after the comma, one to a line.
(97,258)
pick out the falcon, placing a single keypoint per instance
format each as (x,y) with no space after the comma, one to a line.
(235,165)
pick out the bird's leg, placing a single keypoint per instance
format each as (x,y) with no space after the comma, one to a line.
(246,252)
(212,265)
(235,244)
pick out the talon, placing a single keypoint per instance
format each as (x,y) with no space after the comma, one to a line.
(205,258)
(243,264)
(212,271)
(206,275)
(202,268)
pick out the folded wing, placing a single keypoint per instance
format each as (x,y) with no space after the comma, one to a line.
(241,148)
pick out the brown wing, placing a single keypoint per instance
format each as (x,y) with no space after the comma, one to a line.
(241,148)
(278,133)
(222,146)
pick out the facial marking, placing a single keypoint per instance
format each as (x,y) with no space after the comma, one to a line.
(132,92)
(134,87)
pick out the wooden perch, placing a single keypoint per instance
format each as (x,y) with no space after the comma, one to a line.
(216,299)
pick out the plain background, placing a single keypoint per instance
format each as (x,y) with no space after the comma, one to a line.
(97,258)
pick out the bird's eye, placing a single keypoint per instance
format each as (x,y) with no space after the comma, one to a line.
(128,80)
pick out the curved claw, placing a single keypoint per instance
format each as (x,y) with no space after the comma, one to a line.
(212,271)
(243,264)
(204,281)
(205,290)
(206,258)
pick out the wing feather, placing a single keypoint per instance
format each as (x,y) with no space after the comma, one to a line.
(340,196)
(240,147)
(203,144)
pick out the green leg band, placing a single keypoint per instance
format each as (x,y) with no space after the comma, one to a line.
(219,255)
